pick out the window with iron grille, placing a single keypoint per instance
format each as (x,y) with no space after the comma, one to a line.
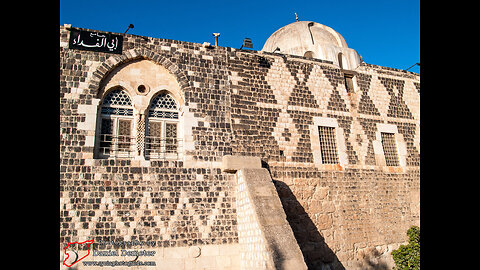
(390,149)
(328,145)
(116,115)
(161,140)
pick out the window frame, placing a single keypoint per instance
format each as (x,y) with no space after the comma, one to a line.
(339,140)
(390,149)
(328,146)
(401,148)
(174,118)
(114,151)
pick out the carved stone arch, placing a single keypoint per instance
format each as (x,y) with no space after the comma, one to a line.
(156,73)
(111,64)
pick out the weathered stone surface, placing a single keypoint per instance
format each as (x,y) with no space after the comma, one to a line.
(261,210)
(236,103)
(233,163)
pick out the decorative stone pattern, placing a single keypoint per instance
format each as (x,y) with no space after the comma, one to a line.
(157,201)
(248,103)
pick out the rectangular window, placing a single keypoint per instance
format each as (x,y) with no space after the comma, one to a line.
(162,139)
(171,137)
(328,145)
(154,138)
(390,149)
(124,137)
(349,84)
(106,136)
(115,138)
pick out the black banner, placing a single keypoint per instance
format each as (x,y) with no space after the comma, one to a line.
(97,42)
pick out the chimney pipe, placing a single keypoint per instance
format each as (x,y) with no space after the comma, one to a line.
(216,35)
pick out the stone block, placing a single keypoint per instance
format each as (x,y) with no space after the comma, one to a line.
(324,221)
(205,263)
(176,253)
(171,264)
(320,193)
(210,250)
(328,207)
(233,163)
(230,250)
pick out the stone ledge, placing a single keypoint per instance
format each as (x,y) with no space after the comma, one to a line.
(232,164)
(266,211)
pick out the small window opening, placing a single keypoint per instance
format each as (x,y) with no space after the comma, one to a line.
(390,149)
(328,145)
(349,83)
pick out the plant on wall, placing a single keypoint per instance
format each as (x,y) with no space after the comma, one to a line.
(407,257)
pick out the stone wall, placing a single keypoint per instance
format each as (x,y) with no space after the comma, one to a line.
(265,237)
(168,202)
(160,201)
(254,254)
(338,212)
(239,102)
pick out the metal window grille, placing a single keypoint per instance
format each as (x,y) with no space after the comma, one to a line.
(117,111)
(163,106)
(124,135)
(328,145)
(117,97)
(116,139)
(124,147)
(390,149)
(160,148)
(171,137)
(116,146)
(161,140)
(106,136)
(117,102)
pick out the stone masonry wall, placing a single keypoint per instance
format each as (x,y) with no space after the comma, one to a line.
(255,254)
(248,103)
(337,212)
(171,203)
(265,236)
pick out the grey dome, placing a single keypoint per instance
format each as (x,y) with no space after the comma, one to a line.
(315,40)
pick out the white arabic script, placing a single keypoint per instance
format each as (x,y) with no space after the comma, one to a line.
(96,40)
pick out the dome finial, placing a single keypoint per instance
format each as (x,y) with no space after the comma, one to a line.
(296,16)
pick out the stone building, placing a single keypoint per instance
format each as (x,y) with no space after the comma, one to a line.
(178,155)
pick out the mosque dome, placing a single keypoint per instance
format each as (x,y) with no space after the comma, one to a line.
(313,40)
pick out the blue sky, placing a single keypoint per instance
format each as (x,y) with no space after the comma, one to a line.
(385,33)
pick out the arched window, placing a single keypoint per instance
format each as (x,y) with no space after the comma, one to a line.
(114,136)
(161,140)
(340,59)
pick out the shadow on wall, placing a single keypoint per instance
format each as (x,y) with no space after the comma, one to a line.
(316,253)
